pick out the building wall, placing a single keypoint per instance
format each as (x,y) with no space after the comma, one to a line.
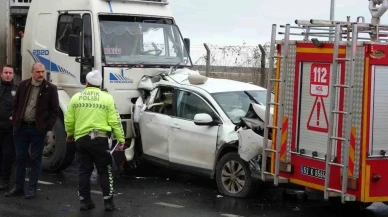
(3,14)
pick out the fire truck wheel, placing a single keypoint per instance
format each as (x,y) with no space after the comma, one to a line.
(57,153)
(233,176)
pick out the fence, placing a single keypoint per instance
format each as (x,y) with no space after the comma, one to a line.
(241,63)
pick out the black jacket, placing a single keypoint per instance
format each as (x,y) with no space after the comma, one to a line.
(7,94)
(47,105)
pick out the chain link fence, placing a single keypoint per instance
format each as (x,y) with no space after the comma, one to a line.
(241,63)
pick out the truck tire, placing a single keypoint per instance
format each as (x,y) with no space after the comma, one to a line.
(57,154)
(233,177)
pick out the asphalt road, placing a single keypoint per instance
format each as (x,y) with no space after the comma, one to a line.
(164,193)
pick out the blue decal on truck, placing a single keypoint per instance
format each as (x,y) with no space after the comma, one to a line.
(119,79)
(49,65)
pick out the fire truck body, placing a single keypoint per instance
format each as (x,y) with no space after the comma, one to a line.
(331,102)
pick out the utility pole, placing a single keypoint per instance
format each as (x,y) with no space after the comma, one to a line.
(207,59)
(331,36)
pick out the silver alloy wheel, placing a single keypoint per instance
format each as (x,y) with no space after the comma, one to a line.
(49,146)
(233,177)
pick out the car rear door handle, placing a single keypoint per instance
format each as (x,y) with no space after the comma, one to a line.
(176,126)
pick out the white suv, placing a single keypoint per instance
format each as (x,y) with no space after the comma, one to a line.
(187,122)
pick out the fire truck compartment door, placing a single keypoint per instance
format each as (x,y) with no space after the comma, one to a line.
(379,105)
(315,110)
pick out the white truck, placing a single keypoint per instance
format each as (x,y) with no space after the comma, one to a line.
(171,115)
(124,39)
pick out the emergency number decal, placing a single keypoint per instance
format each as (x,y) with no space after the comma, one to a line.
(319,80)
(313,172)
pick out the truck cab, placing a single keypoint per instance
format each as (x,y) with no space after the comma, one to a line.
(124,39)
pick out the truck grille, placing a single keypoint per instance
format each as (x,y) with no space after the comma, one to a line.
(20,3)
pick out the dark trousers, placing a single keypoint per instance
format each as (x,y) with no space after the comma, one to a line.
(25,136)
(7,155)
(90,152)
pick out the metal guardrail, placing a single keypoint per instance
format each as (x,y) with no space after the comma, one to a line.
(20,3)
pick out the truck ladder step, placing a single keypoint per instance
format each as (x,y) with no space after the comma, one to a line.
(278,57)
(337,193)
(340,112)
(342,59)
(338,138)
(275,80)
(334,190)
(341,85)
(274,103)
(272,127)
(335,164)
(270,150)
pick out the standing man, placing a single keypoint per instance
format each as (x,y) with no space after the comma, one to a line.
(91,115)
(7,147)
(35,111)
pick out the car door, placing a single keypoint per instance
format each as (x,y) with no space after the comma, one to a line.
(190,144)
(154,125)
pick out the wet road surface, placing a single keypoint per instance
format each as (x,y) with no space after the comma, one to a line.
(165,193)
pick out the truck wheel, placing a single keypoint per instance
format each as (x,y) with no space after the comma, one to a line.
(57,153)
(233,176)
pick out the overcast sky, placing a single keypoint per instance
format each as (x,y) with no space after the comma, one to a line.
(230,22)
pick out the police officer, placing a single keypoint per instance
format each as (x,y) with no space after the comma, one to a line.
(91,115)
(7,147)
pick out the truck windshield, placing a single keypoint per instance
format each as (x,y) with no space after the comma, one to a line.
(127,41)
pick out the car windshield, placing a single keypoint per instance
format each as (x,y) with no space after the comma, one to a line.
(236,104)
(127,40)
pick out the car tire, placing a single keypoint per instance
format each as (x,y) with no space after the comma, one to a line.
(62,155)
(228,183)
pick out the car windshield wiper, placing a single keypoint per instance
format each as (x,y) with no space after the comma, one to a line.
(251,97)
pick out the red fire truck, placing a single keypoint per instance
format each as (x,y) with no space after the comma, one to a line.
(330,122)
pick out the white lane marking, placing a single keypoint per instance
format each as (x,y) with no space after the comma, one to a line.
(230,215)
(42,182)
(169,205)
(96,192)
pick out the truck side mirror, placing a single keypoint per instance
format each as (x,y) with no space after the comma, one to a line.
(74,45)
(187,44)
(77,25)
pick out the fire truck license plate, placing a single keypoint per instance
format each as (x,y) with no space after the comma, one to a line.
(314,172)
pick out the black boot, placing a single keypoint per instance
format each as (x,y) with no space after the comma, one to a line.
(109,206)
(87,204)
(14,192)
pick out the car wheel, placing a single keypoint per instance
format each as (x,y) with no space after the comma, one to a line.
(233,176)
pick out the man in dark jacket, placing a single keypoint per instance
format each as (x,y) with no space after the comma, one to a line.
(7,148)
(35,111)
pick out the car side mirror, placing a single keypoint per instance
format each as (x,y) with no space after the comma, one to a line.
(204,119)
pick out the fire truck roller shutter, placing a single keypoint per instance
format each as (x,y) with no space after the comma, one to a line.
(379,105)
(314,113)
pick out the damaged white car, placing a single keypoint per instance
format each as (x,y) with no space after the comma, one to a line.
(192,123)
